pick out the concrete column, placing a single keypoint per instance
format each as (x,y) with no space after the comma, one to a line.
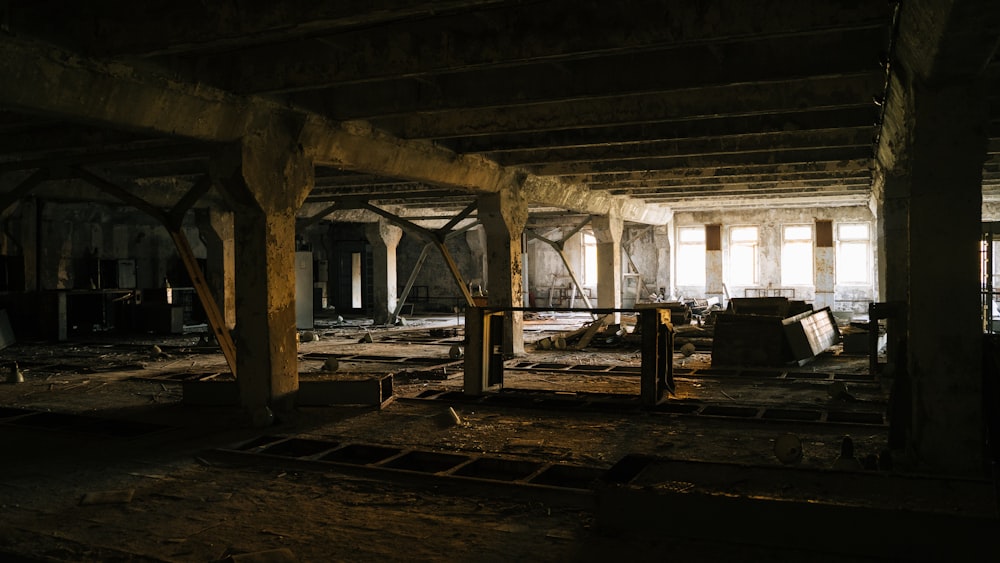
(384,238)
(948,152)
(266,177)
(608,232)
(476,239)
(824,261)
(215,227)
(503,216)
(713,262)
(661,239)
(941,168)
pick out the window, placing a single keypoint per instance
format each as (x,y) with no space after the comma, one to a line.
(853,254)
(589,259)
(691,256)
(797,255)
(743,256)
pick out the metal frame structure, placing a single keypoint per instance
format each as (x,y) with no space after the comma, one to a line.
(484,361)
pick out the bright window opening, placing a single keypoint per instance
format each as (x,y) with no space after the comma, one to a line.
(743,256)
(691,256)
(797,255)
(854,254)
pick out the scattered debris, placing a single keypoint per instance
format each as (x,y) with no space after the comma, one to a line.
(456,352)
(123,496)
(366,339)
(846,460)
(581,336)
(14,374)
(788,449)
(331,364)
(262,417)
(443,332)
(687,349)
(449,418)
(309,336)
(838,391)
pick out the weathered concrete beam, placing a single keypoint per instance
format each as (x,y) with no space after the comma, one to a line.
(781,58)
(44,79)
(750,143)
(789,171)
(793,120)
(775,202)
(487,38)
(710,102)
(759,181)
(717,160)
(734,185)
(750,192)
(121,27)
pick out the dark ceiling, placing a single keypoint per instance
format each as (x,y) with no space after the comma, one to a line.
(688,103)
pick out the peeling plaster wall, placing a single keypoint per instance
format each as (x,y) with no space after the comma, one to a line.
(770,223)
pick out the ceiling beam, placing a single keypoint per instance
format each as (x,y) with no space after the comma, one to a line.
(679,105)
(758,143)
(799,119)
(704,161)
(44,79)
(170,27)
(486,39)
(719,173)
(698,66)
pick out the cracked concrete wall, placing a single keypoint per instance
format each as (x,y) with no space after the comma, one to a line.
(847,297)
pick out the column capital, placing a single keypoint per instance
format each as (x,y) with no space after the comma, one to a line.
(384,233)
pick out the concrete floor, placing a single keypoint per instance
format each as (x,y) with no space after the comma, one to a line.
(186,501)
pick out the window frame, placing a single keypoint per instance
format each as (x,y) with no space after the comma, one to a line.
(754,245)
(841,242)
(811,243)
(701,244)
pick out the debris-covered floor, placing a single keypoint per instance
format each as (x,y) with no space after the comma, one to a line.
(103,461)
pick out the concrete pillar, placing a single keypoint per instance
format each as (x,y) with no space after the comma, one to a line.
(824,262)
(476,239)
(941,169)
(948,152)
(384,238)
(661,239)
(713,262)
(503,216)
(608,232)
(266,177)
(215,228)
